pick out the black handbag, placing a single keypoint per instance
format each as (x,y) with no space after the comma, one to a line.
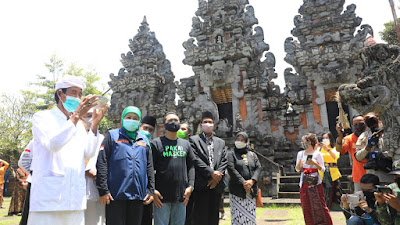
(309,178)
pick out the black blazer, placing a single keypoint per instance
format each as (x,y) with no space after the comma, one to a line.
(202,164)
(239,171)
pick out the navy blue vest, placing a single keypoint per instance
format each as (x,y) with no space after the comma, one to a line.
(127,167)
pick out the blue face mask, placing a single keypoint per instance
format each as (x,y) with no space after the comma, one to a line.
(71,103)
(131,125)
(145,133)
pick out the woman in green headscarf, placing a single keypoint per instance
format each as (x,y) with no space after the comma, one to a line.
(125,174)
(130,121)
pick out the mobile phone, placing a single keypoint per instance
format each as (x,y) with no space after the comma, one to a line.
(353,199)
(378,131)
(383,189)
(309,157)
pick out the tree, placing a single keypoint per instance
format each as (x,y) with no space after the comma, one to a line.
(15,127)
(43,93)
(389,34)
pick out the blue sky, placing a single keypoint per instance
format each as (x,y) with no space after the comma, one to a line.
(95,33)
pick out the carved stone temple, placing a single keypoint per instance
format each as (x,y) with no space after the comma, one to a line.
(233,74)
(324,56)
(145,80)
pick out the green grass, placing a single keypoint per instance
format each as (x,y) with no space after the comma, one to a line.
(4,218)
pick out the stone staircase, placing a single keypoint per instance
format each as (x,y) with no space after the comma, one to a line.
(288,182)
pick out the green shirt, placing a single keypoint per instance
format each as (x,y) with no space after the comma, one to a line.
(386,214)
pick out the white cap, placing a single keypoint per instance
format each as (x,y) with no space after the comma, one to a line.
(70,81)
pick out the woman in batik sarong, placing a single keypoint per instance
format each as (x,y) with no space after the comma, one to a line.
(309,162)
(19,193)
(330,178)
(244,169)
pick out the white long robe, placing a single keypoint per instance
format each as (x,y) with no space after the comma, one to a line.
(95,213)
(58,185)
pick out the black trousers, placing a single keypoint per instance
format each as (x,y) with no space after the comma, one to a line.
(25,211)
(206,207)
(124,212)
(147,214)
(189,210)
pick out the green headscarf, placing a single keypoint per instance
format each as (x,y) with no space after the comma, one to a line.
(130,109)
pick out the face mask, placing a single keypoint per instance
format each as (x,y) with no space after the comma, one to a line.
(240,145)
(326,141)
(304,145)
(172,126)
(369,195)
(131,125)
(71,103)
(207,127)
(359,128)
(181,134)
(145,133)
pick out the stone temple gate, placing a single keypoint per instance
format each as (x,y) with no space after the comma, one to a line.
(234,72)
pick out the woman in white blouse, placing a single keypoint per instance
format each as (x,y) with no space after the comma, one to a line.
(309,162)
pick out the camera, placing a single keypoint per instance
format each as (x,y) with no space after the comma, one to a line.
(372,161)
(383,189)
(353,199)
(379,161)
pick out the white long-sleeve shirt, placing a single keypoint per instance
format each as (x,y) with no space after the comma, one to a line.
(25,159)
(316,156)
(92,194)
(60,149)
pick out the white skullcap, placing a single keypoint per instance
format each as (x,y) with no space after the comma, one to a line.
(70,81)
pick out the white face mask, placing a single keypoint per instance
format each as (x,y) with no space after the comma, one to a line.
(326,141)
(240,145)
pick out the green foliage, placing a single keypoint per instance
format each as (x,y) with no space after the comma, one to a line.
(91,77)
(17,111)
(389,34)
(15,127)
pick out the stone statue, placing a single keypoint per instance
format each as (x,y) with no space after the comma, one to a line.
(377,91)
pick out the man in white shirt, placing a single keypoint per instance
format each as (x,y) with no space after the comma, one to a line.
(61,144)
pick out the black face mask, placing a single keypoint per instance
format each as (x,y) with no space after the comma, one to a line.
(369,197)
(172,126)
(397,180)
(359,128)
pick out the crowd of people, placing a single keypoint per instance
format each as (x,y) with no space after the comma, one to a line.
(375,175)
(71,174)
(74,175)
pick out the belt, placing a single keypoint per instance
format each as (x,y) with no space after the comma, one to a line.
(330,164)
(309,170)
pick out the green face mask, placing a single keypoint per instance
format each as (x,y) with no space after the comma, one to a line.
(181,134)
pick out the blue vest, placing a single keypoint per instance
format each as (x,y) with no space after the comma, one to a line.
(127,167)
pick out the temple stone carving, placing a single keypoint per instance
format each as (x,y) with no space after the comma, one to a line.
(145,80)
(378,91)
(324,51)
(233,73)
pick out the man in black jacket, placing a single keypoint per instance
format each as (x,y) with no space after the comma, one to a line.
(211,163)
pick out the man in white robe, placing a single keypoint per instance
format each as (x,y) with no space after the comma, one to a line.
(61,143)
